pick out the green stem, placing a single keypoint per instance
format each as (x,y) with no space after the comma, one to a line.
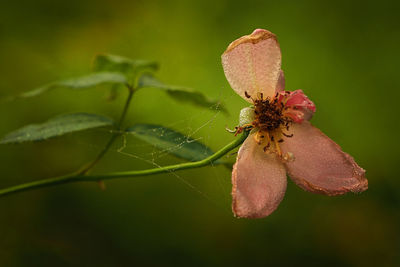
(126,107)
(114,136)
(95,178)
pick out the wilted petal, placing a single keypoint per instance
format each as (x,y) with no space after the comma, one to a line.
(299,100)
(252,63)
(259,181)
(319,164)
(296,115)
(297,105)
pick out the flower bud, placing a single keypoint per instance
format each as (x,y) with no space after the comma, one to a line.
(246,116)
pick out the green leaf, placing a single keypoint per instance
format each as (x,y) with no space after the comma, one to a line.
(82,82)
(57,126)
(123,65)
(171,141)
(181,94)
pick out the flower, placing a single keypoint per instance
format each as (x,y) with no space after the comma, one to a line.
(282,140)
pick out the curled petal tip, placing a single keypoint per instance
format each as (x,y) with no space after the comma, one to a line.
(256,36)
(258,31)
(359,174)
(252,64)
(320,165)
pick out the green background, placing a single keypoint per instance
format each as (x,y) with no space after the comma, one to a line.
(343,54)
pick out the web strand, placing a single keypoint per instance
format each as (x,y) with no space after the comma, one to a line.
(126,146)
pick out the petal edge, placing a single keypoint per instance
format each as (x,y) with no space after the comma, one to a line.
(252,64)
(320,165)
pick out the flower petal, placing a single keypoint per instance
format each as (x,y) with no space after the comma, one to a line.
(280,86)
(259,181)
(320,165)
(252,64)
(297,105)
(298,99)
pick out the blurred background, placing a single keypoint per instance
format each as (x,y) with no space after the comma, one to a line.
(343,54)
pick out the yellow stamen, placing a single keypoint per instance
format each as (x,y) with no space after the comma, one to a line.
(259,137)
(268,137)
(278,149)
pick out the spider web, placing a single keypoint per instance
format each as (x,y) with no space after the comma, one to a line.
(198,126)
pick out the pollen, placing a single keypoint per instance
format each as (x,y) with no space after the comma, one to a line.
(269,114)
(269,124)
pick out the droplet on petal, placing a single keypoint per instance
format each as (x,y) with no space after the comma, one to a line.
(320,165)
(259,181)
(252,64)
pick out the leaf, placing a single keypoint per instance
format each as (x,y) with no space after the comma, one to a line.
(109,69)
(171,141)
(180,93)
(122,65)
(82,82)
(57,126)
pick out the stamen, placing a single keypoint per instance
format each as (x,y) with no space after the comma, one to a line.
(238,130)
(268,138)
(267,146)
(278,149)
(271,121)
(287,135)
(258,141)
(247,126)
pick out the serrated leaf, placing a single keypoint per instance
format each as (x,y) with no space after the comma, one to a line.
(171,141)
(81,82)
(181,94)
(57,126)
(123,65)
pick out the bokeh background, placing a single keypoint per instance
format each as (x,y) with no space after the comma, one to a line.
(343,54)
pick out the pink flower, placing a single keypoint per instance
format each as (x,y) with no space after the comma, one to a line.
(282,140)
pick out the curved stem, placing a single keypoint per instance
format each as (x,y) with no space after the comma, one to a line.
(126,107)
(113,137)
(94,178)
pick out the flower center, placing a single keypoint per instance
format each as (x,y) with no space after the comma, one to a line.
(268,114)
(271,118)
(270,122)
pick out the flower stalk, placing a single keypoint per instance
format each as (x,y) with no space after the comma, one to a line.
(115,134)
(71,178)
